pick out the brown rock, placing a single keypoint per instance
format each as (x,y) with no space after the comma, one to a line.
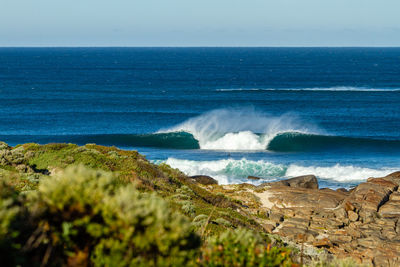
(343,190)
(368,197)
(269,227)
(305,181)
(253,177)
(392,207)
(335,239)
(322,243)
(363,223)
(204,179)
(352,216)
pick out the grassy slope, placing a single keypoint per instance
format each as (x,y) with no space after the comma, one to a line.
(182,193)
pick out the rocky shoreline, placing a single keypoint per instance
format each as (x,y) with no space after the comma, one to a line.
(362,223)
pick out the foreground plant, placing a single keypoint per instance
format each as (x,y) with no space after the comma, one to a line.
(83,217)
(242,247)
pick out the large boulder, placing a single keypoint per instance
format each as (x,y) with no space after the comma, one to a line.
(204,179)
(305,181)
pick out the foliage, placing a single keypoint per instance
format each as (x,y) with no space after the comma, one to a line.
(84,217)
(54,211)
(242,247)
(12,226)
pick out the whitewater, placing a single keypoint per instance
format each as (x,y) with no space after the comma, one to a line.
(228,171)
(240,129)
(247,131)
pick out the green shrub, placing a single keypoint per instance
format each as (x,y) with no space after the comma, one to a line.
(242,247)
(9,209)
(84,218)
(12,225)
(199,221)
(223,222)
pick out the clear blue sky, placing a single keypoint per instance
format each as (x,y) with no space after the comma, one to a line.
(200,23)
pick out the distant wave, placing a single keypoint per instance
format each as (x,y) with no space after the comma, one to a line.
(228,171)
(318,89)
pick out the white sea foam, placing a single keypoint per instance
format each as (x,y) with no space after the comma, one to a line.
(338,172)
(240,129)
(330,89)
(228,171)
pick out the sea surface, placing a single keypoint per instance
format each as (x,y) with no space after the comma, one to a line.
(225,112)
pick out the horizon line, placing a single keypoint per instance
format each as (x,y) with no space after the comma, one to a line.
(205,46)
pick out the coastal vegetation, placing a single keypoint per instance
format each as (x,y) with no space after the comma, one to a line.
(61,204)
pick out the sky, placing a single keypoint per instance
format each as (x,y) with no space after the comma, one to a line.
(200,23)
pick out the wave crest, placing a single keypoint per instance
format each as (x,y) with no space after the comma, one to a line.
(244,129)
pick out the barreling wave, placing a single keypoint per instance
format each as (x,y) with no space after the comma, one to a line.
(316,89)
(239,129)
(231,130)
(228,171)
(247,130)
(241,141)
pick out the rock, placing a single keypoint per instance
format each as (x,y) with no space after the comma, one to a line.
(337,239)
(253,177)
(391,209)
(343,190)
(340,213)
(368,197)
(204,179)
(322,243)
(269,227)
(352,216)
(363,223)
(394,177)
(275,216)
(305,181)
(302,199)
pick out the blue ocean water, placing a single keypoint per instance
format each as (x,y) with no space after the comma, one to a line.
(226,112)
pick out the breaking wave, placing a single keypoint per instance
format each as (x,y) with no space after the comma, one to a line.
(232,130)
(244,129)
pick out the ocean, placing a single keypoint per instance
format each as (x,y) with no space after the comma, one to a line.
(229,113)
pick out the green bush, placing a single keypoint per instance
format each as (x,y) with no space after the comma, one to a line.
(82,217)
(241,247)
(12,225)
(85,218)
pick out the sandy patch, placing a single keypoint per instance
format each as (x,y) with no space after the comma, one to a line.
(264,199)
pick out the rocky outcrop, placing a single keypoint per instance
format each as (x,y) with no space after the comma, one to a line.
(204,179)
(363,223)
(305,181)
(14,157)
